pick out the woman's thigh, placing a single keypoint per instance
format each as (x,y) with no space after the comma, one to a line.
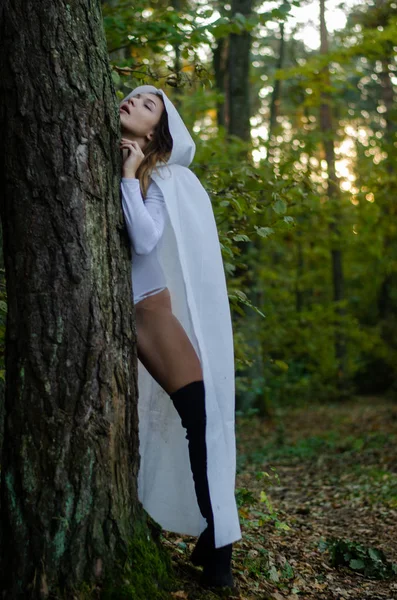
(163,345)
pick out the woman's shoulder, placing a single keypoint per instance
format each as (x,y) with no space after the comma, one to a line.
(154,190)
(177,177)
(173,171)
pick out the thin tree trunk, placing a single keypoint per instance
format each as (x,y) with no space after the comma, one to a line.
(333,197)
(239,69)
(220,64)
(70,451)
(386,305)
(176,4)
(276,95)
(299,293)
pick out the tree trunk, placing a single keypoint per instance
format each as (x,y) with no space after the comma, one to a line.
(332,192)
(300,269)
(220,59)
(386,305)
(176,4)
(70,451)
(276,95)
(239,68)
(276,98)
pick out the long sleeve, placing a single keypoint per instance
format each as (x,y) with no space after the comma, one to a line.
(145,220)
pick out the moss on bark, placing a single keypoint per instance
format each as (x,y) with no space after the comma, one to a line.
(144,573)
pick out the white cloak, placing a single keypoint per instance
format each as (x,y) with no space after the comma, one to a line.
(190,255)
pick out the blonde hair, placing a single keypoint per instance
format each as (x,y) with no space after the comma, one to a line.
(158,150)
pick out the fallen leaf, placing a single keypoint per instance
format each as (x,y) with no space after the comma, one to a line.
(180,594)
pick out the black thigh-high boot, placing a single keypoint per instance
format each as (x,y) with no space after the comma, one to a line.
(189,401)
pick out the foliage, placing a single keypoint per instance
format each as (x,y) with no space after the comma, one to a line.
(147,30)
(251,507)
(336,479)
(274,220)
(294,276)
(273,217)
(262,564)
(371,562)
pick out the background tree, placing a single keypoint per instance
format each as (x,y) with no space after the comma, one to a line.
(239,74)
(280,197)
(327,129)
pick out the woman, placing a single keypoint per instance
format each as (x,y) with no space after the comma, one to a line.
(185,343)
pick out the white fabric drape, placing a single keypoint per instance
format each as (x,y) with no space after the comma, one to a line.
(190,255)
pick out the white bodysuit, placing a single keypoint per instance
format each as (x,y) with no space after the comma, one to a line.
(145,220)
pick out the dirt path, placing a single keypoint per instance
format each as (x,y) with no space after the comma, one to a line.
(310,476)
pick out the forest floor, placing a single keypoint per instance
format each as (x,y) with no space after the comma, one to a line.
(310,479)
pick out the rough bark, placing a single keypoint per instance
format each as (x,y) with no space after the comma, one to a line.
(70,455)
(326,124)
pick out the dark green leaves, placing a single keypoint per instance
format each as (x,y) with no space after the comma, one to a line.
(370,562)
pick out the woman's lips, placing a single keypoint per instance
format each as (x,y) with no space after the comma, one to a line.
(124,108)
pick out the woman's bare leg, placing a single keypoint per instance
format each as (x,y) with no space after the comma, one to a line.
(163,345)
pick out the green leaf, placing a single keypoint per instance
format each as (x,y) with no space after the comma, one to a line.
(356,564)
(280,207)
(240,294)
(261,474)
(281,365)
(273,574)
(264,231)
(116,78)
(374,554)
(241,238)
(182,545)
(288,571)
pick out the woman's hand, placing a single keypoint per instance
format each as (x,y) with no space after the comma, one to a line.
(132,157)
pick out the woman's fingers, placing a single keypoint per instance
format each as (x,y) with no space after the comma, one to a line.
(130,143)
(132,147)
(132,157)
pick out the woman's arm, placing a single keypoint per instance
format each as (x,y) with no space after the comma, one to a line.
(145,220)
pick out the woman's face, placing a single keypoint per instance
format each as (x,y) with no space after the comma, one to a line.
(139,116)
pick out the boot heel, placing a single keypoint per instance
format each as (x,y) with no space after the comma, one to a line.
(217,571)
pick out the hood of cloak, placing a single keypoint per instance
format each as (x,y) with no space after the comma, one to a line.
(183,146)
